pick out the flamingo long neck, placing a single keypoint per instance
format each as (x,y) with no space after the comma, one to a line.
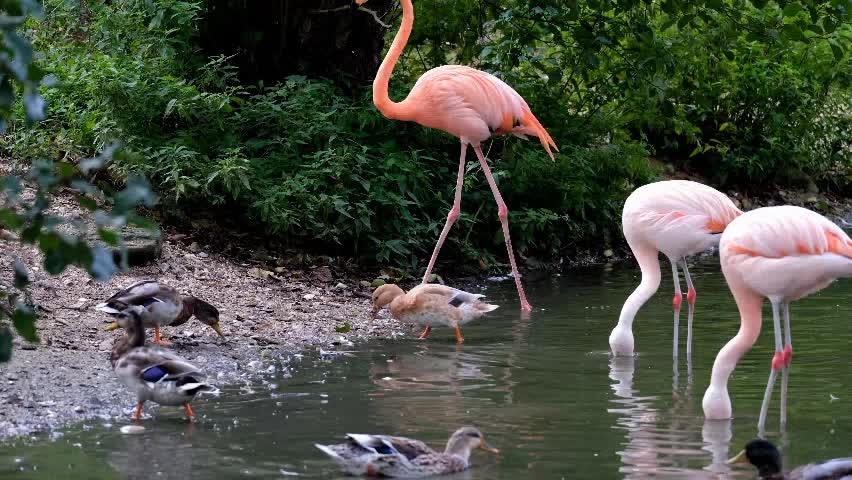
(649,263)
(388,107)
(749,304)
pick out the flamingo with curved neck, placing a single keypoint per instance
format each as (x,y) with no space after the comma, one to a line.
(469,104)
(783,254)
(678,218)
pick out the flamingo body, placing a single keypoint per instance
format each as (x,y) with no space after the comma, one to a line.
(469,104)
(678,218)
(781,253)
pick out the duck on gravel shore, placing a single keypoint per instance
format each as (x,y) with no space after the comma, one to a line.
(431,305)
(160,305)
(153,373)
(400,457)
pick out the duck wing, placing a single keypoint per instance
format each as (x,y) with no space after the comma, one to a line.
(409,447)
(837,469)
(141,293)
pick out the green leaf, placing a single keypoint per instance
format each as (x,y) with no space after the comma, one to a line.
(793,32)
(5,344)
(836,49)
(24,320)
(792,9)
(108,236)
(345,328)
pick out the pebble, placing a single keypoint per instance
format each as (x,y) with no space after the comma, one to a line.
(132,429)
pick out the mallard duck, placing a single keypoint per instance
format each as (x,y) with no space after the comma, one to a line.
(153,373)
(431,305)
(763,455)
(161,305)
(381,455)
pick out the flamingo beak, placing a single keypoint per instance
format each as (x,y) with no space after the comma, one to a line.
(739,458)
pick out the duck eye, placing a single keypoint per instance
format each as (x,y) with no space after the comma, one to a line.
(473,434)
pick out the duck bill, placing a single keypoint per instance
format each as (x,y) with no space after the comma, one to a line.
(739,458)
(218,329)
(112,326)
(488,448)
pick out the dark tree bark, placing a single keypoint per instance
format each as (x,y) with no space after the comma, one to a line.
(316,38)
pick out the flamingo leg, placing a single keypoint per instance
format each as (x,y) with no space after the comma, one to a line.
(777,364)
(451,217)
(676,301)
(503,213)
(785,374)
(690,300)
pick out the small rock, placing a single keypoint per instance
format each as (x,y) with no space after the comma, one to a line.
(80,304)
(608,252)
(377,283)
(79,409)
(340,286)
(194,247)
(132,429)
(203,254)
(365,284)
(105,345)
(322,275)
(309,296)
(812,199)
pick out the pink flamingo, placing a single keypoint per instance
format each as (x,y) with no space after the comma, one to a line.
(469,104)
(784,254)
(677,218)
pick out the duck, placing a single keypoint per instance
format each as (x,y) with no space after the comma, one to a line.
(161,305)
(431,305)
(151,372)
(400,457)
(766,457)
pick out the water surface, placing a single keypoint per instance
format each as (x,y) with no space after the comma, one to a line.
(543,389)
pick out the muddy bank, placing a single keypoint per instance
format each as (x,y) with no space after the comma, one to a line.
(267,316)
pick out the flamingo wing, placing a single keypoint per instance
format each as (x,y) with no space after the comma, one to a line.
(473,105)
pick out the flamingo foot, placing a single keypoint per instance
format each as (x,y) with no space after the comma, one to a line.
(778,361)
(676,301)
(160,341)
(459,338)
(690,296)
(525,306)
(188,411)
(425,333)
(788,355)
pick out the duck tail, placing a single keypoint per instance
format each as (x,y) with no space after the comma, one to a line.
(106,308)
(486,307)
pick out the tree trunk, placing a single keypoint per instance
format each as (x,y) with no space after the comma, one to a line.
(317,38)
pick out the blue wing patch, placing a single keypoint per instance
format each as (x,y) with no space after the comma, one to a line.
(384,450)
(154,374)
(151,301)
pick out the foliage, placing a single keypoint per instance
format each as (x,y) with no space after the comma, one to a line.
(26,212)
(745,87)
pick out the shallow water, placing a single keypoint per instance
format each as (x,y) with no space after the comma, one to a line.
(543,389)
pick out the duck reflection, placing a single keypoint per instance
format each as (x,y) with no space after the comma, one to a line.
(163,452)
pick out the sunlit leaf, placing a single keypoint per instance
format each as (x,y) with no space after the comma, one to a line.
(23,319)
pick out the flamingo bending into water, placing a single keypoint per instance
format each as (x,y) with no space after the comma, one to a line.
(469,104)
(784,254)
(678,218)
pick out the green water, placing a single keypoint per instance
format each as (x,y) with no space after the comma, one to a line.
(543,389)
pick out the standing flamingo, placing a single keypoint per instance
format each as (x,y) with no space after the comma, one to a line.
(784,254)
(677,218)
(469,104)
